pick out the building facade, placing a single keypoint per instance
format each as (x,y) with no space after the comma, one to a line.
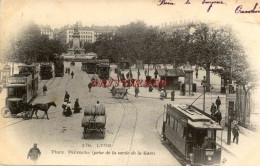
(85,35)
(46,30)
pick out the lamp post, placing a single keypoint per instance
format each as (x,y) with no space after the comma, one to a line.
(204,84)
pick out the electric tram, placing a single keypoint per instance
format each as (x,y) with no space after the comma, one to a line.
(103,68)
(21,89)
(58,67)
(192,133)
(90,66)
(46,71)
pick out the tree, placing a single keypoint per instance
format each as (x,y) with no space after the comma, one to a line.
(30,46)
(208,47)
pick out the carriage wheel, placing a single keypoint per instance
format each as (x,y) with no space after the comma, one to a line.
(26,115)
(5,112)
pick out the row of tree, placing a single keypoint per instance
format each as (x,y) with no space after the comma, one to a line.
(31,46)
(199,44)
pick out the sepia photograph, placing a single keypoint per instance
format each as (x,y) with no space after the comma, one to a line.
(130,82)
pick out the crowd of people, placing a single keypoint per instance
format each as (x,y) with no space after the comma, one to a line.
(67,110)
(215,110)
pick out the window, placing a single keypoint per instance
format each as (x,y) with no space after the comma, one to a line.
(171,122)
(176,125)
(180,129)
(167,119)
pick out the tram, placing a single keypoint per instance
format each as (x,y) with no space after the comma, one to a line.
(21,88)
(58,67)
(103,68)
(46,71)
(90,65)
(192,133)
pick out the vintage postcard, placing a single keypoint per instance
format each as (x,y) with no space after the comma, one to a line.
(129,82)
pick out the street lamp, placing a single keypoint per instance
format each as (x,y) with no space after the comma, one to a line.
(204,84)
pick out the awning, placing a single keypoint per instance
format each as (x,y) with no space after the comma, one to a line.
(205,125)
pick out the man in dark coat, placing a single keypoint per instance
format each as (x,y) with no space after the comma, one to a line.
(218,103)
(136,91)
(66,97)
(155,73)
(44,90)
(76,106)
(213,109)
(72,74)
(89,86)
(235,132)
(34,153)
(218,117)
(172,95)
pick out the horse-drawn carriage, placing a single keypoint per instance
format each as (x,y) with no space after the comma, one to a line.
(16,106)
(119,93)
(94,120)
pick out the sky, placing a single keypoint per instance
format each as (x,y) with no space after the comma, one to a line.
(57,13)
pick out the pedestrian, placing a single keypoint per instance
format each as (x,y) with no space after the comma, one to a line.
(218,103)
(89,86)
(138,73)
(162,95)
(218,117)
(155,73)
(44,89)
(136,91)
(172,95)
(67,97)
(68,71)
(97,105)
(34,153)
(64,106)
(150,88)
(235,132)
(77,107)
(197,73)
(68,110)
(213,109)
(72,74)
(145,72)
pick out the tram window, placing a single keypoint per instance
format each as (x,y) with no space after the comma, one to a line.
(176,125)
(171,122)
(210,134)
(180,130)
(168,119)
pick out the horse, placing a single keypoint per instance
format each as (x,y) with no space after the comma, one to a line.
(43,107)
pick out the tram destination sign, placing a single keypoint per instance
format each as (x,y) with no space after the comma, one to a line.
(17,80)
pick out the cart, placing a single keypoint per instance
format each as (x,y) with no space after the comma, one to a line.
(94,120)
(119,93)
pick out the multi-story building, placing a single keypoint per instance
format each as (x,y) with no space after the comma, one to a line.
(103,30)
(46,30)
(86,35)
